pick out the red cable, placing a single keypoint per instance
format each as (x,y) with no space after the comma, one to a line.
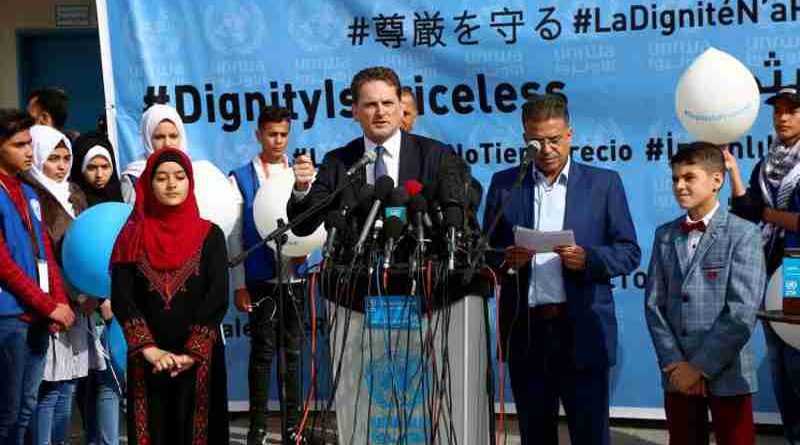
(437,410)
(429,278)
(500,362)
(312,384)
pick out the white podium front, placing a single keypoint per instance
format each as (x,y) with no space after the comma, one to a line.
(410,378)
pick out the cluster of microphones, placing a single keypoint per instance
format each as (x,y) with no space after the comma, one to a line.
(397,225)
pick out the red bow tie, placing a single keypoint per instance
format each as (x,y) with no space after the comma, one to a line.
(687,227)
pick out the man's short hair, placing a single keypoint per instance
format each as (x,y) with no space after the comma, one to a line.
(273,114)
(12,121)
(542,107)
(409,91)
(54,101)
(703,154)
(372,74)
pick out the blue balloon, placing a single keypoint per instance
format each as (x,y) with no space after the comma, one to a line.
(118,349)
(86,252)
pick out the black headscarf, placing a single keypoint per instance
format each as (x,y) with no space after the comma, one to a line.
(81,146)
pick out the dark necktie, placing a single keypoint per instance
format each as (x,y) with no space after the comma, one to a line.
(380,165)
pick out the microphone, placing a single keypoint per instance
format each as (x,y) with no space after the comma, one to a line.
(333,222)
(336,220)
(475,195)
(430,191)
(418,206)
(413,187)
(396,206)
(393,228)
(533,148)
(454,218)
(383,188)
(394,222)
(365,199)
(454,178)
(368,158)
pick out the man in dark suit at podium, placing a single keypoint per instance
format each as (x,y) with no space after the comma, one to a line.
(558,328)
(400,155)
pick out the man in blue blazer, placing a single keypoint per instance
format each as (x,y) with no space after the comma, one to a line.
(557,322)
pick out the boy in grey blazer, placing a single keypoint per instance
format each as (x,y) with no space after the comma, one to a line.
(705,283)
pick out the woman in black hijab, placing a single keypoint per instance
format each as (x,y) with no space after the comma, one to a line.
(94,168)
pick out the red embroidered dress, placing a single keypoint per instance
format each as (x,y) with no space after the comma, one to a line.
(169,289)
(191,408)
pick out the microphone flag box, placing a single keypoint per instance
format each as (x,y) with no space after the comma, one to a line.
(396,375)
(393,311)
(399,212)
(791,282)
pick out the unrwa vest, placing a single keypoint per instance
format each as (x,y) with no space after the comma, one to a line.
(260,264)
(18,242)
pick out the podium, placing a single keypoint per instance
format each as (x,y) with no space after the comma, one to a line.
(409,376)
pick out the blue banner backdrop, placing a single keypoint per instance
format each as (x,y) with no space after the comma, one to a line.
(471,65)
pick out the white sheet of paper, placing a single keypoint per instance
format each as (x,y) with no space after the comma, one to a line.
(542,242)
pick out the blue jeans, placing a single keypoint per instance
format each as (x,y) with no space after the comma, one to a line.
(98,397)
(98,400)
(22,359)
(53,416)
(784,363)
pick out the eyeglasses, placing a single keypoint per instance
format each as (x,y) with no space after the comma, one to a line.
(552,140)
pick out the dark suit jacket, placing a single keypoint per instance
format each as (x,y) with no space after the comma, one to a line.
(597,211)
(419,159)
(703,309)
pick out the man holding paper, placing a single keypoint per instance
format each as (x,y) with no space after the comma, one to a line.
(557,322)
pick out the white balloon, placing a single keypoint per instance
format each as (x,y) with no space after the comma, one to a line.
(717,98)
(270,205)
(774,302)
(216,198)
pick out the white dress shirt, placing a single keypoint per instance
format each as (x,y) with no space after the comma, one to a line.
(693,238)
(391,157)
(550,202)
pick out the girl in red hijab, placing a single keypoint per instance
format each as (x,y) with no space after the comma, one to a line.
(169,290)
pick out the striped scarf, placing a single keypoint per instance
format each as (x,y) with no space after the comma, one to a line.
(778,178)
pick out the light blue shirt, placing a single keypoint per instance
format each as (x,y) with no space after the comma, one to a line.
(550,202)
(391,157)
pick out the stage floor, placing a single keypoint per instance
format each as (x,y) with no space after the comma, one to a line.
(622,432)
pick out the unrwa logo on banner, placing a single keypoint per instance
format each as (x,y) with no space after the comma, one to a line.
(159,35)
(317,26)
(234,28)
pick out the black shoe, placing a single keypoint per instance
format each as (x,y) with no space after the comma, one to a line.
(257,437)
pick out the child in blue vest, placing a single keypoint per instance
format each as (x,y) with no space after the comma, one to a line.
(256,283)
(32,297)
